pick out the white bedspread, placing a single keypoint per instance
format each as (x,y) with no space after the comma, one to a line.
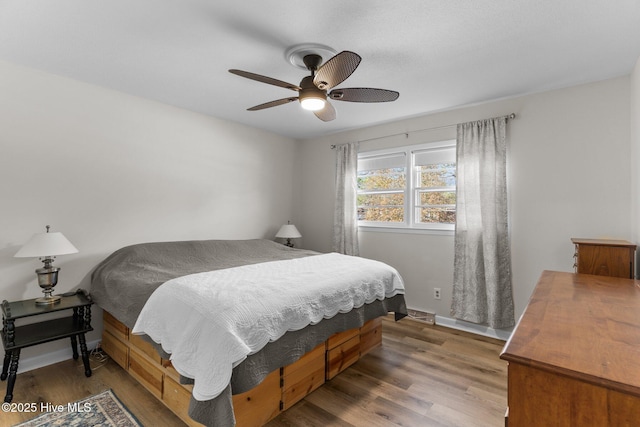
(210,322)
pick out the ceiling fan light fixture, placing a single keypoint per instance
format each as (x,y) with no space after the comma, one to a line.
(312,102)
(311,98)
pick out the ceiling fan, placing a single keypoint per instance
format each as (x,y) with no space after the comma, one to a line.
(312,91)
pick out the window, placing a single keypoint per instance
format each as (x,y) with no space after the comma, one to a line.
(409,187)
(382,183)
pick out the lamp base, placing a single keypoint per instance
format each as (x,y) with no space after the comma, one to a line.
(48,300)
(47,279)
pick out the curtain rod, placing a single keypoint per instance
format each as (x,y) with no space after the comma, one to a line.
(508,116)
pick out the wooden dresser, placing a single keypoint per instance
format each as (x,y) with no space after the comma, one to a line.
(574,357)
(605,257)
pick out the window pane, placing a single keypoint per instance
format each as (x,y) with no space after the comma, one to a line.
(382,179)
(381,199)
(381,207)
(381,214)
(437,215)
(438,198)
(437,175)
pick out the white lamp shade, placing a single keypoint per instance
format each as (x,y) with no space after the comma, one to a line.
(312,104)
(46,244)
(288,231)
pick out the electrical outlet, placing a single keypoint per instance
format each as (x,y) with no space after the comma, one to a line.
(436,293)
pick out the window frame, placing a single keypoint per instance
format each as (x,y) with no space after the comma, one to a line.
(411,191)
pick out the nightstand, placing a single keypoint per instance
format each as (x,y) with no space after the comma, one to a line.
(15,338)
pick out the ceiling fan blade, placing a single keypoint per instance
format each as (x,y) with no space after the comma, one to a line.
(363,94)
(336,70)
(273,104)
(327,114)
(265,79)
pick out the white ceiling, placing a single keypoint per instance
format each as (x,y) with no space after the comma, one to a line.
(438,54)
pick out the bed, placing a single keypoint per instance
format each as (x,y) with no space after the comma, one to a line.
(155,295)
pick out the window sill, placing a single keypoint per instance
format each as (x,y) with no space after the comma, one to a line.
(404,230)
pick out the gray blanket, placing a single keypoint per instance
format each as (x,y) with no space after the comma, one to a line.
(123,282)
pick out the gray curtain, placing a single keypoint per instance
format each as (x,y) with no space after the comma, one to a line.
(482,290)
(345,218)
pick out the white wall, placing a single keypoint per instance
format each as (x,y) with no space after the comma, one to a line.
(109,170)
(569,176)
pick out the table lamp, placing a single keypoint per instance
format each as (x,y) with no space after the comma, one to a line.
(288,231)
(46,246)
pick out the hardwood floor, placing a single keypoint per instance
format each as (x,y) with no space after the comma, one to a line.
(421,376)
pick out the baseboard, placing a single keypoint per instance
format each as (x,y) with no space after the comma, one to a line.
(42,360)
(501,334)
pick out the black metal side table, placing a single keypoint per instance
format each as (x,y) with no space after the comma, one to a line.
(15,338)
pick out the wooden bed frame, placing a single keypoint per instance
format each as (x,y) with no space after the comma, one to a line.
(280,390)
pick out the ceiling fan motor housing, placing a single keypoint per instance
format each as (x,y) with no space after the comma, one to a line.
(309,91)
(313,62)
